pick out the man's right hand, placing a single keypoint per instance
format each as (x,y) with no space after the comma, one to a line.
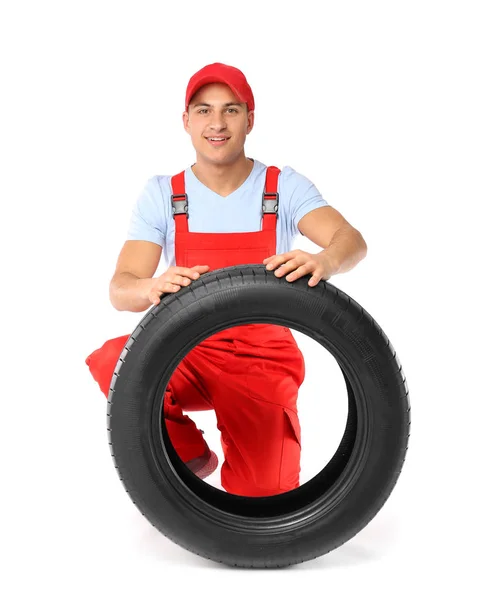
(172,280)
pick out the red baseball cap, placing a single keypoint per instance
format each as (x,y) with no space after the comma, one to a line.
(220,73)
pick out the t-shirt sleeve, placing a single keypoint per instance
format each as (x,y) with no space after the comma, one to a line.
(147,222)
(303,196)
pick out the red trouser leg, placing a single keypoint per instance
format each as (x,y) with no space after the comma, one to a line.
(254,392)
(254,398)
(183,433)
(256,408)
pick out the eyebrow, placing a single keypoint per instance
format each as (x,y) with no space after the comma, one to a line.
(225,105)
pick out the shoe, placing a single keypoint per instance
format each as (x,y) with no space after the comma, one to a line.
(204,465)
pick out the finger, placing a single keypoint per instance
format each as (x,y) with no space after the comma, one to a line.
(287,267)
(315,278)
(171,287)
(295,263)
(279,259)
(300,271)
(290,254)
(275,261)
(180,280)
(196,271)
(154,298)
(184,274)
(166,287)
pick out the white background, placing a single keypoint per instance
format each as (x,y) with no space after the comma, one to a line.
(383,106)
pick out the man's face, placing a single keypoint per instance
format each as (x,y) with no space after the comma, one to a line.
(214,112)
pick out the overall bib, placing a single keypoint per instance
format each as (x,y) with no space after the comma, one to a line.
(250,374)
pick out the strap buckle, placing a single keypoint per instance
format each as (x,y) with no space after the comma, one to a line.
(270,202)
(179,207)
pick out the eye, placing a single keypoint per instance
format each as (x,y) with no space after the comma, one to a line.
(234,110)
(202,110)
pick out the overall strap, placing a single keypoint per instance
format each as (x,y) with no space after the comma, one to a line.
(270,199)
(179,201)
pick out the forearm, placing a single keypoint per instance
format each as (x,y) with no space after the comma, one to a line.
(346,249)
(129,292)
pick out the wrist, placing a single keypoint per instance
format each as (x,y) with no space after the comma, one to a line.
(331,264)
(143,287)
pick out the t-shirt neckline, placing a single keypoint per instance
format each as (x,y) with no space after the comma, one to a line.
(197,182)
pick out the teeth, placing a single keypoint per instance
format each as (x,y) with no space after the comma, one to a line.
(217,139)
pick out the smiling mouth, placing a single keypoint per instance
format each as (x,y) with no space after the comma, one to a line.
(217,141)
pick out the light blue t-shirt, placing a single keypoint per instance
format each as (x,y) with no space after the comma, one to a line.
(152,217)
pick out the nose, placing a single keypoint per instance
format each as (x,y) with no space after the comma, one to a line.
(217,122)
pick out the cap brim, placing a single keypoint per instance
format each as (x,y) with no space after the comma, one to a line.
(210,79)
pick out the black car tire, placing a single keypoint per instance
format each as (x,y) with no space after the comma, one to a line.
(288,528)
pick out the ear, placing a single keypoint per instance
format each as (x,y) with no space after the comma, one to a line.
(186,121)
(250,121)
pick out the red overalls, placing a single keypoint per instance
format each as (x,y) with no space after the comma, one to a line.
(250,374)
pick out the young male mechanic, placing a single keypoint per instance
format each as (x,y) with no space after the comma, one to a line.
(250,375)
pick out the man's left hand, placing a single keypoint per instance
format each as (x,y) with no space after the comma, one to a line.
(298,263)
